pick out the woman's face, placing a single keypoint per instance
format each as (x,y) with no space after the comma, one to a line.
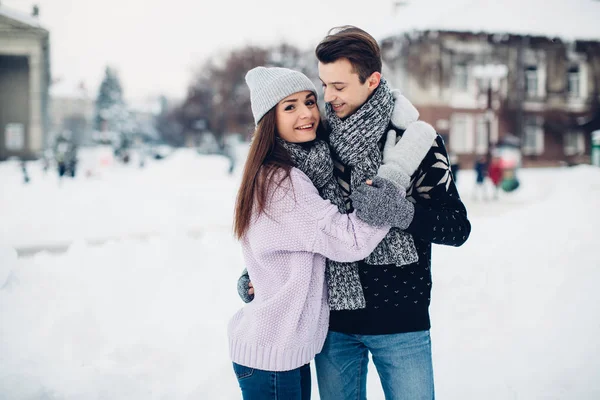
(298,117)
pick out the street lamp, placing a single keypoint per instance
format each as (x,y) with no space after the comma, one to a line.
(491,73)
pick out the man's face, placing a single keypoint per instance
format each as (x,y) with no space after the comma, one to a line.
(342,87)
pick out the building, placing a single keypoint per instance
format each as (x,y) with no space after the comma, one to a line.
(71,112)
(478,86)
(24,84)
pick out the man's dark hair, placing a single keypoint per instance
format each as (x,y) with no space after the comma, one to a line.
(354,44)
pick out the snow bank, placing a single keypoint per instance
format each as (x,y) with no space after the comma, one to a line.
(144,316)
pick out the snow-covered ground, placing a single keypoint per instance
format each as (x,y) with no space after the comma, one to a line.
(137,305)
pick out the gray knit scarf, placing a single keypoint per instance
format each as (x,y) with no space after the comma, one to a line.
(355,142)
(314,159)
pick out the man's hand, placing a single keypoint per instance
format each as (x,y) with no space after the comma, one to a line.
(390,170)
(245,288)
(401,159)
(382,204)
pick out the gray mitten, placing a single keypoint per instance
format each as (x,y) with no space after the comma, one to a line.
(383,203)
(388,170)
(404,112)
(401,160)
(242,287)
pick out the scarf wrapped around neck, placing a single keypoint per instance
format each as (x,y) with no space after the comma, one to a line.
(355,142)
(314,159)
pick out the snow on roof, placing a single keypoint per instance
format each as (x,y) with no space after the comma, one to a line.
(21,17)
(564,19)
(68,89)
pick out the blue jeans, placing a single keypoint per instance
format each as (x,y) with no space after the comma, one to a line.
(403,362)
(257,384)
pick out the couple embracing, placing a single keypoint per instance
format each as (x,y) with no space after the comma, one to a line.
(336,222)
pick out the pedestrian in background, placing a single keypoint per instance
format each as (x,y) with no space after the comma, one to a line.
(481,171)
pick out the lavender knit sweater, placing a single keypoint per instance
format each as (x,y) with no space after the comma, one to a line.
(285,251)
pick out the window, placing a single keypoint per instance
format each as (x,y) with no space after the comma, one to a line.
(481,135)
(573,82)
(461,134)
(531,82)
(14,136)
(574,143)
(533,136)
(461,78)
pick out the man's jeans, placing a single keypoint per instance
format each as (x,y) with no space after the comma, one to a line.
(403,361)
(257,384)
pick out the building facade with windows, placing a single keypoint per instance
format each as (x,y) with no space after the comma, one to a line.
(71,112)
(24,84)
(548,94)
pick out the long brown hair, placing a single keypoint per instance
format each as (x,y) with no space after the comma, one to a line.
(266,157)
(265,152)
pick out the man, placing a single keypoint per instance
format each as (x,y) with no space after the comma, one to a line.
(380,305)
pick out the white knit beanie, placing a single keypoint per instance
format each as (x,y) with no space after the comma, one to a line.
(268,86)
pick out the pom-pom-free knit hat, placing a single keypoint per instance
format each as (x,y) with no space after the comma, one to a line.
(268,86)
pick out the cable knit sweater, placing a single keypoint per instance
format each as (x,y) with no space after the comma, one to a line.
(285,251)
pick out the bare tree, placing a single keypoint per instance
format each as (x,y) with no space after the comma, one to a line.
(218,99)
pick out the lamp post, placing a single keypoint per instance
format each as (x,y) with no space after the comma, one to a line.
(492,74)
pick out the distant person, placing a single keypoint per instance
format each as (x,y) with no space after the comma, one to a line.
(46,161)
(229,153)
(71,160)
(61,164)
(454,165)
(26,178)
(62,154)
(480,175)
(495,173)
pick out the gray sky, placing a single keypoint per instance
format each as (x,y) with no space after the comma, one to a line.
(156,44)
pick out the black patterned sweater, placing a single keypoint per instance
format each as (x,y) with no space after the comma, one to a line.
(398,298)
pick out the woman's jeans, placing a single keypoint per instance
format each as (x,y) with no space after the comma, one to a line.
(257,384)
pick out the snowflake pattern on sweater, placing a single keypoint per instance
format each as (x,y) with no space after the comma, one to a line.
(398,297)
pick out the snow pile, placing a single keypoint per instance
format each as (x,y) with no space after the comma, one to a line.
(513,309)
(128,320)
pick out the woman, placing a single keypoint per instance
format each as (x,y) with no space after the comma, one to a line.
(287,231)
(495,174)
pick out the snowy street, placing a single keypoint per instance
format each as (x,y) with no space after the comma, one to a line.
(134,298)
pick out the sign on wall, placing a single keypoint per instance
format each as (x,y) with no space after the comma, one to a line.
(14,136)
